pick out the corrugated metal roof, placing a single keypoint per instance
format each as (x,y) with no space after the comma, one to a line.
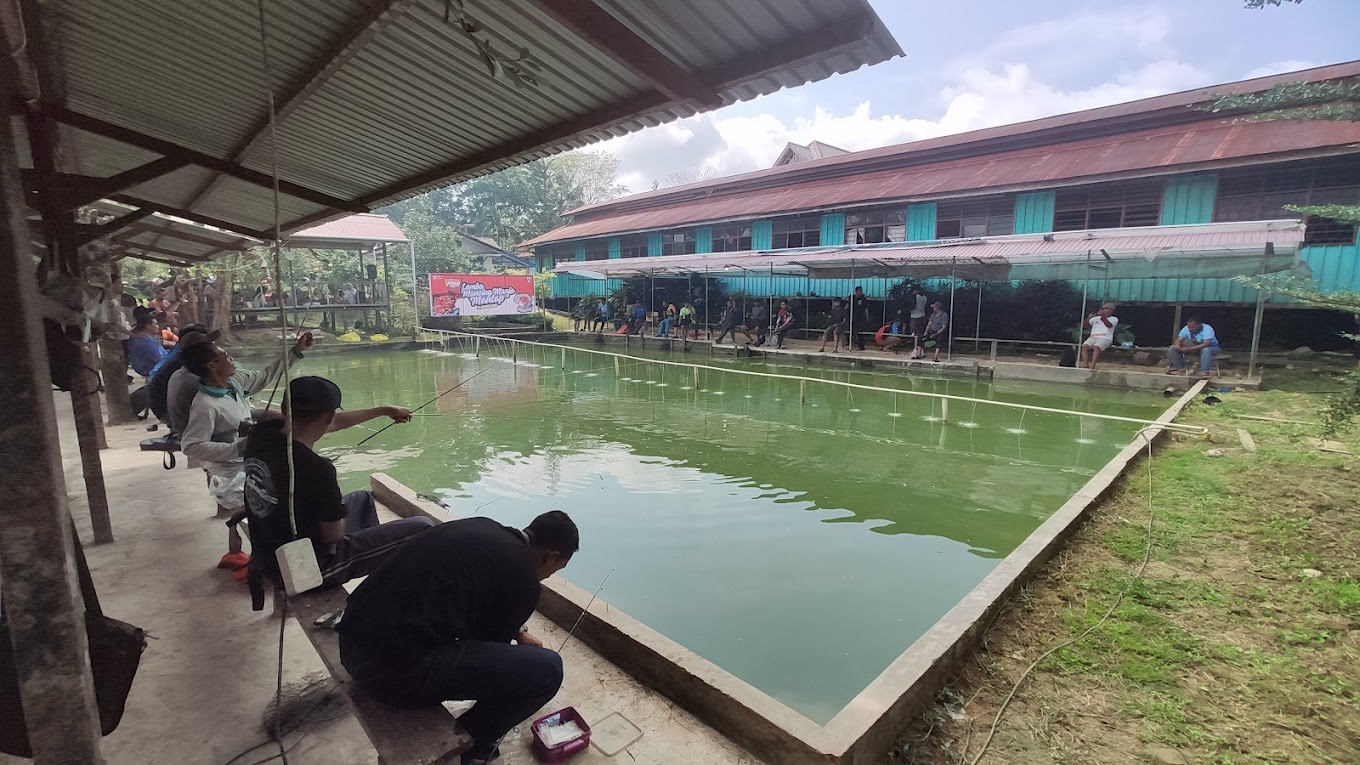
(1147,244)
(1124,117)
(362,228)
(383,99)
(167,240)
(1145,152)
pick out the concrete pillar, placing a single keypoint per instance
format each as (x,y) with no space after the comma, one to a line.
(38,583)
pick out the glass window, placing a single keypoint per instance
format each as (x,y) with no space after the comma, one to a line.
(1264,193)
(733,238)
(633,246)
(1108,205)
(678,242)
(597,249)
(975,217)
(876,226)
(803,231)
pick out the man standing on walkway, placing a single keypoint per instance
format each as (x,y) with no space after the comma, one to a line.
(859,318)
(344,530)
(731,317)
(436,622)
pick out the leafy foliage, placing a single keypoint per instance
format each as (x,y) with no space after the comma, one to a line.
(1338,213)
(519,203)
(1333,100)
(1258,4)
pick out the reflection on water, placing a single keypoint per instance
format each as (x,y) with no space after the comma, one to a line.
(801,547)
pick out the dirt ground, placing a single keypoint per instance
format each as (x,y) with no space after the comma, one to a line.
(1237,644)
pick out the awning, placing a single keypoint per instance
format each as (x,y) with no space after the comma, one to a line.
(152,236)
(351,232)
(1211,250)
(163,105)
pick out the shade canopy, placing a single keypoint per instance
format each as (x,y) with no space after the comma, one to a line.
(164,106)
(1211,250)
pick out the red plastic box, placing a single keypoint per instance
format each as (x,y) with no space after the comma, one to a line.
(562,752)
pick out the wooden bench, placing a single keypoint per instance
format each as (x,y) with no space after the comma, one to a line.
(423,736)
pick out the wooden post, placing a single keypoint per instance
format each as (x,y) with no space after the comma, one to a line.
(1176,323)
(802,391)
(85,399)
(944,410)
(43,606)
(112,362)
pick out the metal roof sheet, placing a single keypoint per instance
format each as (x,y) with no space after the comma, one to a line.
(382,99)
(987,255)
(369,228)
(1145,152)
(165,239)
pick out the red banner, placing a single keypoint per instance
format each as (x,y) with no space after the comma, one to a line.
(480,294)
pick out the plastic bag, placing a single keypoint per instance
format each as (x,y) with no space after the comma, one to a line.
(229,490)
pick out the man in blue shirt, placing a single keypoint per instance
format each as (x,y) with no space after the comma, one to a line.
(145,351)
(1195,337)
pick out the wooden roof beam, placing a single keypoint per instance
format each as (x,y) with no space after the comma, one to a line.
(131,201)
(188,257)
(189,156)
(94,190)
(187,236)
(605,33)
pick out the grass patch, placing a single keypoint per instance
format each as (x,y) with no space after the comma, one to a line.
(1237,645)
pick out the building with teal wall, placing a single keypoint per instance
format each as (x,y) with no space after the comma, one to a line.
(1155,162)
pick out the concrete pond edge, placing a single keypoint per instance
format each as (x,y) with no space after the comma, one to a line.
(866,728)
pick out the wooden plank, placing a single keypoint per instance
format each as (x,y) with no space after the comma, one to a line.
(427,736)
(1246,439)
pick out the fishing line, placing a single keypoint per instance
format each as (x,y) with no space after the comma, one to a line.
(427,403)
(583,611)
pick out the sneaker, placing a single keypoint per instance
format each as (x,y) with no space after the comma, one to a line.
(241,574)
(234,561)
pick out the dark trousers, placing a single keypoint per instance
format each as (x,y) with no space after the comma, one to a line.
(367,542)
(599,323)
(508,682)
(726,328)
(861,326)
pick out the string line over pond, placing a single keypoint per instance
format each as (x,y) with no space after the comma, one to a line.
(943,398)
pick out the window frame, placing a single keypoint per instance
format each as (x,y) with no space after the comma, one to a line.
(796,227)
(634,246)
(1251,194)
(742,237)
(996,215)
(886,220)
(684,238)
(1117,204)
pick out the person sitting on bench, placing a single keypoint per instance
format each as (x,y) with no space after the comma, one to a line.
(436,622)
(349,540)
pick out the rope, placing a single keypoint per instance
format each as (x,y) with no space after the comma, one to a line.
(1196,430)
(283,341)
(1137,575)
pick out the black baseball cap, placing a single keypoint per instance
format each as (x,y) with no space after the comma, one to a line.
(313,395)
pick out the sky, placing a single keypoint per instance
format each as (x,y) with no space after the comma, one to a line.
(971,64)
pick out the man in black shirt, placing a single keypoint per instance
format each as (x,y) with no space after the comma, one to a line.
(436,622)
(859,318)
(349,541)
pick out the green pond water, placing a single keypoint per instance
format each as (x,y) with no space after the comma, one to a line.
(801,547)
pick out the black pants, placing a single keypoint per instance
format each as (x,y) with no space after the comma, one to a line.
(726,328)
(600,323)
(861,326)
(508,682)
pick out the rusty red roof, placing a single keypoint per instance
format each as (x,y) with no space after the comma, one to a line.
(1199,145)
(361,228)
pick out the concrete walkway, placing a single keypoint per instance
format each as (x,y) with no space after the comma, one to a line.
(209,672)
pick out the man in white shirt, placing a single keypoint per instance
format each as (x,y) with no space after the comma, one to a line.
(1102,324)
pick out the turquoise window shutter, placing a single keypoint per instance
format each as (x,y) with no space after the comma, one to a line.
(653,244)
(1034,212)
(1189,199)
(762,235)
(615,248)
(580,250)
(833,228)
(921,222)
(703,240)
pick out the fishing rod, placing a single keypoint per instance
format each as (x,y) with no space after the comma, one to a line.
(583,611)
(465,381)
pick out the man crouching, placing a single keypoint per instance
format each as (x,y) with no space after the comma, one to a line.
(436,622)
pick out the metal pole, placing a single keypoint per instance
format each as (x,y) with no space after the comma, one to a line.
(851,334)
(1176,323)
(1086,288)
(43,606)
(415,287)
(977,326)
(949,355)
(1256,324)
(708,326)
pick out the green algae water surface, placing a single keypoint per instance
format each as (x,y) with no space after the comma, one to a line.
(800,546)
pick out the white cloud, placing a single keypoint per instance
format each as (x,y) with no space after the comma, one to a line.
(1279,67)
(1038,70)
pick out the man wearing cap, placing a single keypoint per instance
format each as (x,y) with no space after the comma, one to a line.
(159,387)
(344,530)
